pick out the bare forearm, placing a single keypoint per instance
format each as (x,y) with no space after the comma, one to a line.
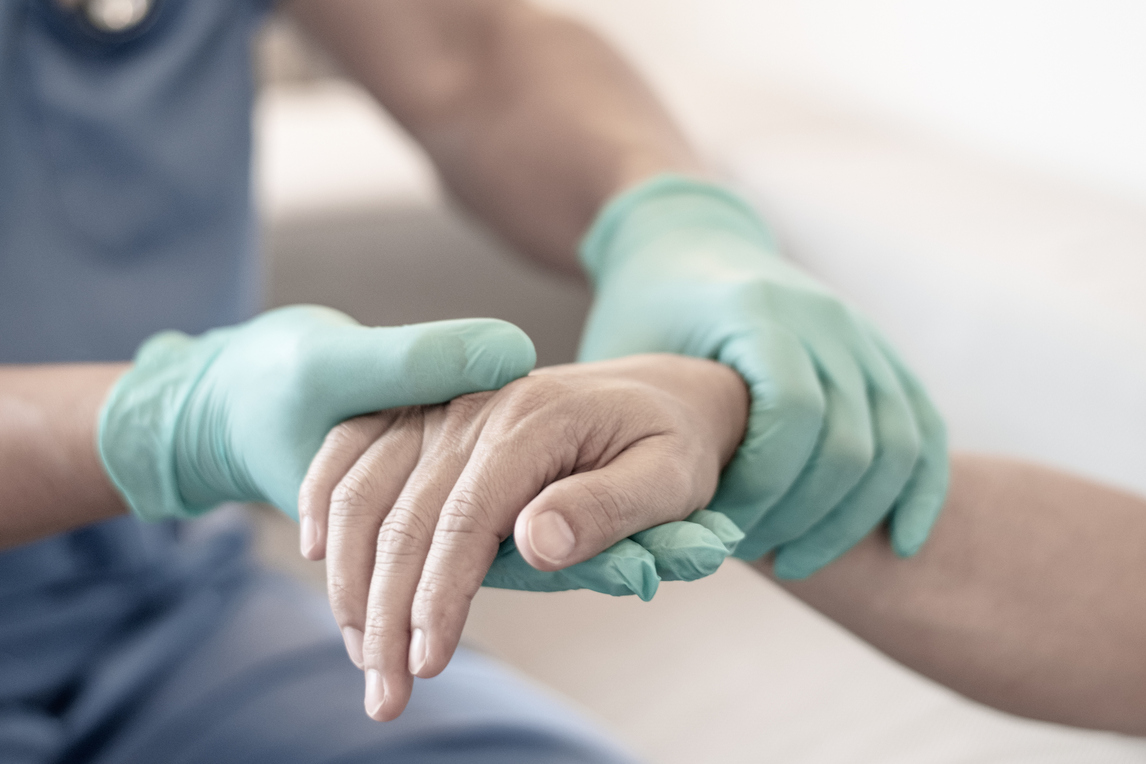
(51,478)
(533,121)
(1030,595)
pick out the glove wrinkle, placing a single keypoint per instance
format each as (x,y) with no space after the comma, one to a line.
(683,266)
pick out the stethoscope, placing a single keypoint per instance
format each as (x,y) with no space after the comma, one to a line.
(111,17)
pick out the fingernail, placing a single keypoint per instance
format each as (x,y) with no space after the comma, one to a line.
(375,693)
(353,639)
(417,651)
(551,537)
(307,536)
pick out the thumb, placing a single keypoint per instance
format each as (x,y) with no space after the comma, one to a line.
(367,369)
(579,516)
(622,569)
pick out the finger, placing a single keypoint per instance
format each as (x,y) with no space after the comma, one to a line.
(341,448)
(585,513)
(898,439)
(358,505)
(506,469)
(842,456)
(921,501)
(784,421)
(604,506)
(720,526)
(359,369)
(693,548)
(403,543)
(624,569)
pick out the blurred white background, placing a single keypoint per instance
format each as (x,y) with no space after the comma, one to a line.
(1059,85)
(973,175)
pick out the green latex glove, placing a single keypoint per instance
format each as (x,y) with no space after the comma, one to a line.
(680,551)
(238,413)
(840,434)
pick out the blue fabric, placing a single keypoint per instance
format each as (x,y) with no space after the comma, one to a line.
(125,209)
(249,667)
(125,202)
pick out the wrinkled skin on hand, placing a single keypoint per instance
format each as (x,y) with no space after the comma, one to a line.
(411,506)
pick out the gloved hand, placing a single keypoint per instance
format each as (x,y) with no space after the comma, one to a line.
(684,550)
(238,413)
(840,434)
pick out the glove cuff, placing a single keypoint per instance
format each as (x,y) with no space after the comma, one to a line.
(137,425)
(664,205)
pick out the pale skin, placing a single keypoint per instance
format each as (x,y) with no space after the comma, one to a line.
(534,123)
(410,505)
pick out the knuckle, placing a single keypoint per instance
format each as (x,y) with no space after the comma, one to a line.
(451,537)
(451,427)
(464,406)
(403,532)
(351,499)
(852,453)
(350,432)
(381,627)
(466,512)
(461,415)
(528,396)
(344,435)
(404,427)
(802,406)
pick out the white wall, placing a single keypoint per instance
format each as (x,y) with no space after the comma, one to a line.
(1057,84)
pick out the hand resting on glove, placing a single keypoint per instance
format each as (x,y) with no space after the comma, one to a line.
(410,506)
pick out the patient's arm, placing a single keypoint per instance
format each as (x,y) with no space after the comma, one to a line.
(1030,595)
(411,504)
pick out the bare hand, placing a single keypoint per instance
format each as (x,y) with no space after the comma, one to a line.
(410,505)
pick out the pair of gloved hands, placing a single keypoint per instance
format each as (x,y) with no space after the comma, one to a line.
(840,435)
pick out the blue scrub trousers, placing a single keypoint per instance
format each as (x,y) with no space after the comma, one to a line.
(249,666)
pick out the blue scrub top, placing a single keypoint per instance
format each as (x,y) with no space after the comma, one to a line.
(125,199)
(125,209)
